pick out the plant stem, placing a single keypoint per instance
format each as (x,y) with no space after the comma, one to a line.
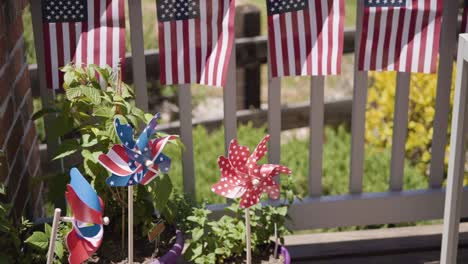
(275,253)
(247,236)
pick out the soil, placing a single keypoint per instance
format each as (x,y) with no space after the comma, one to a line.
(265,257)
(145,252)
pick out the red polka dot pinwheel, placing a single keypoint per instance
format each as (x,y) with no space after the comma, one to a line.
(242,177)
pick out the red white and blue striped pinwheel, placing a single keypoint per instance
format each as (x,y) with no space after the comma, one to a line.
(87,208)
(136,162)
(242,177)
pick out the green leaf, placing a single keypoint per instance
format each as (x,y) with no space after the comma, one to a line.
(103,112)
(38,240)
(47,230)
(220,251)
(92,94)
(197,233)
(43,112)
(73,93)
(162,189)
(59,249)
(66,148)
(86,143)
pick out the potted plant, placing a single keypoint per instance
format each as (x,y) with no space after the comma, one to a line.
(247,226)
(84,119)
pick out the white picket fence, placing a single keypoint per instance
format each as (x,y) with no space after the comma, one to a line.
(355,208)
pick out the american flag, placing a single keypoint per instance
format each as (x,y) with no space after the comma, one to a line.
(400,35)
(83,31)
(195,40)
(305,37)
(464,25)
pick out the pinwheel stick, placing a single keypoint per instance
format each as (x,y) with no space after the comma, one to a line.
(130,224)
(247,236)
(53,233)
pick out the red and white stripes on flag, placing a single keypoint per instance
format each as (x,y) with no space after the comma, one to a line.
(195,40)
(464,25)
(83,31)
(400,37)
(305,37)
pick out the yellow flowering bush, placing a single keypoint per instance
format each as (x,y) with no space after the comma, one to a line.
(380,109)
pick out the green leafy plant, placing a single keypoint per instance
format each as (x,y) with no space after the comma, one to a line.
(39,242)
(218,241)
(84,123)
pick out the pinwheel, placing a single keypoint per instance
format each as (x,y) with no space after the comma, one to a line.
(135,162)
(87,221)
(242,177)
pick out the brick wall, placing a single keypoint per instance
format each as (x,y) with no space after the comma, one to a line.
(19,151)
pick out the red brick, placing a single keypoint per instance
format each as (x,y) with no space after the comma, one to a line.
(17,62)
(15,173)
(21,86)
(3,49)
(6,120)
(5,86)
(14,139)
(22,195)
(15,31)
(34,162)
(3,22)
(28,139)
(3,167)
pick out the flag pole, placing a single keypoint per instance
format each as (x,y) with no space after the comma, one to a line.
(247,236)
(53,235)
(130,224)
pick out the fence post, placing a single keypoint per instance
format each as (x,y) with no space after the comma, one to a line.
(248,78)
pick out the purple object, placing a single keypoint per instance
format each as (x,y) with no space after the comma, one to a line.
(174,253)
(286,256)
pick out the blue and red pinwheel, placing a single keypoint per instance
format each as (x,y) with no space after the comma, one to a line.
(136,162)
(87,208)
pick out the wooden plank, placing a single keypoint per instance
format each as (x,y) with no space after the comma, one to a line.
(364,209)
(274,120)
(400,126)
(368,243)
(138,54)
(185,115)
(316,135)
(295,115)
(456,168)
(358,121)
(448,42)
(402,257)
(47,95)
(230,103)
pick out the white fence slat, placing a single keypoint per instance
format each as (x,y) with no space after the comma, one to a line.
(453,198)
(138,54)
(316,135)
(185,116)
(274,120)
(448,42)
(358,120)
(400,126)
(230,102)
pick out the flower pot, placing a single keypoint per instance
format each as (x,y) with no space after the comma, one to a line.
(173,254)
